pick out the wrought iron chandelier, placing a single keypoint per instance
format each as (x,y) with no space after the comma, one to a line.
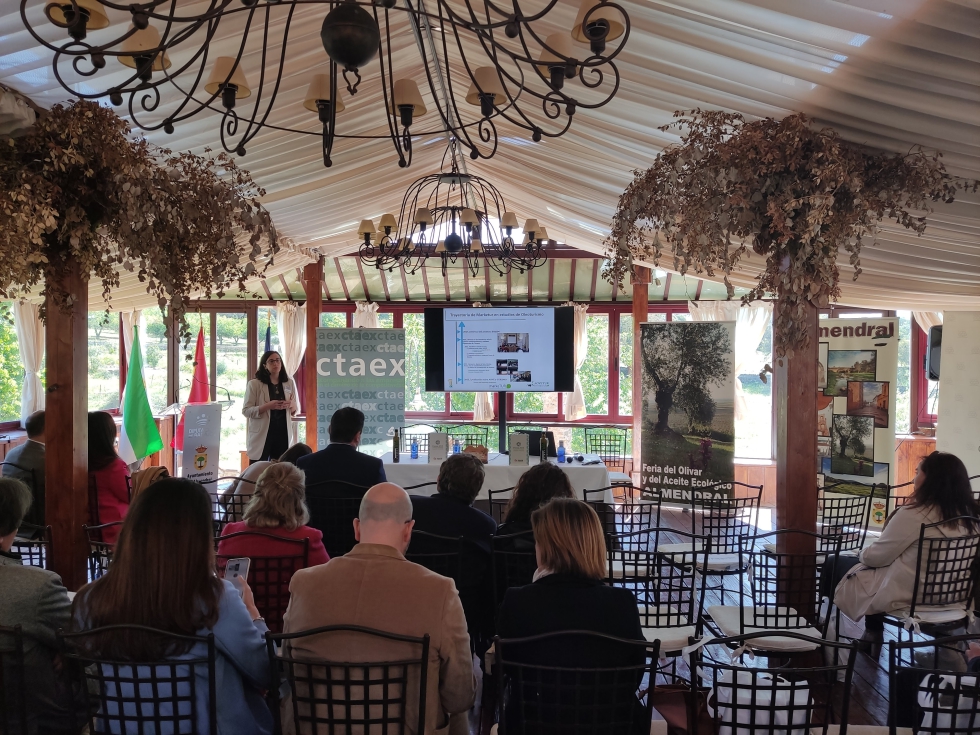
(512,70)
(456,217)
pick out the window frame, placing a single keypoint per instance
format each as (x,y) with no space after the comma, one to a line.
(919,381)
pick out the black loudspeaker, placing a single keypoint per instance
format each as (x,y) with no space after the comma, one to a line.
(934,352)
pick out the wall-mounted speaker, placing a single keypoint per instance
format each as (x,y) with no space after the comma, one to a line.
(934,352)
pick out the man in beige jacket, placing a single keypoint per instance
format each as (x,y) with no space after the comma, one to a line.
(374,586)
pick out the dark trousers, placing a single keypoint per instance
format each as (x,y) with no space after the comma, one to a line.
(835,568)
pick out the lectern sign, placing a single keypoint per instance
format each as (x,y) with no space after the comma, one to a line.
(364,369)
(688,409)
(202,439)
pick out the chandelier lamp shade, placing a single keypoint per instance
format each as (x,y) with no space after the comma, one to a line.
(454,217)
(520,68)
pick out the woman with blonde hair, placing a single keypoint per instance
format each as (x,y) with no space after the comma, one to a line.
(278,507)
(568,592)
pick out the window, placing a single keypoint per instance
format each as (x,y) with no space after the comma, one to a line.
(753,432)
(154,357)
(103,361)
(416,397)
(903,395)
(11,367)
(333,320)
(625,364)
(268,327)
(231,373)
(927,406)
(594,372)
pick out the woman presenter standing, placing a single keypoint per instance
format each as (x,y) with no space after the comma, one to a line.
(270,401)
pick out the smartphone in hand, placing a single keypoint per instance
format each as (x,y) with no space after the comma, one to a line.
(237,568)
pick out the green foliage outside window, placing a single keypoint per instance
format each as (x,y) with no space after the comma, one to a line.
(11,366)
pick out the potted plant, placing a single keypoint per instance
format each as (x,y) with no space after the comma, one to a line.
(797,195)
(78,190)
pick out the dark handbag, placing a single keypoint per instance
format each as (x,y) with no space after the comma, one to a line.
(676,702)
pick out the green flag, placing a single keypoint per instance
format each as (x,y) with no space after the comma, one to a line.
(139,437)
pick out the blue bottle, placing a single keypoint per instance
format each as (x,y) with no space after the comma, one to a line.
(457,447)
(415,448)
(561,451)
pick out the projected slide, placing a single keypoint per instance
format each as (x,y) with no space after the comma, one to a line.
(499,349)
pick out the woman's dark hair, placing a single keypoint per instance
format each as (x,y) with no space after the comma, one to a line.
(536,487)
(461,477)
(262,373)
(946,487)
(295,452)
(162,574)
(101,440)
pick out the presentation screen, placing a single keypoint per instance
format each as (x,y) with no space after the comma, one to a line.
(507,349)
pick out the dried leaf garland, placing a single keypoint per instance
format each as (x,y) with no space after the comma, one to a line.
(77,189)
(794,194)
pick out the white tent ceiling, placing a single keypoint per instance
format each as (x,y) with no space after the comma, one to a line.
(889,73)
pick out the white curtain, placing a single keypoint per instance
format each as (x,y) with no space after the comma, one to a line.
(291,323)
(30,337)
(751,323)
(927,319)
(483,402)
(575,401)
(129,320)
(366,315)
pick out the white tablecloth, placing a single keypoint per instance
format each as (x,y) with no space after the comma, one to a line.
(499,474)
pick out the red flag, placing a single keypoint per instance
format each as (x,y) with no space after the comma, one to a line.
(200,389)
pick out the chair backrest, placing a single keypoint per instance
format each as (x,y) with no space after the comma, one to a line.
(420,432)
(668,588)
(752,700)
(440,554)
(227,509)
(609,442)
(468,434)
(333,506)
(897,499)
(783,581)
(726,520)
(31,475)
(927,680)
(629,512)
(143,696)
(269,574)
(944,571)
(846,517)
(93,501)
(545,699)
(33,543)
(498,502)
(514,562)
(100,552)
(344,696)
(13,702)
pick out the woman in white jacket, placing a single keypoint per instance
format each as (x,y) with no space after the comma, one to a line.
(270,402)
(882,579)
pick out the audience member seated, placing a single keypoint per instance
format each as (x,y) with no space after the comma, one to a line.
(277,507)
(340,460)
(376,587)
(36,600)
(142,479)
(162,576)
(108,472)
(535,487)
(29,460)
(245,485)
(882,579)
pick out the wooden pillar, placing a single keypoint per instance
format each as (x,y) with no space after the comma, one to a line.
(640,279)
(66,434)
(313,284)
(796,439)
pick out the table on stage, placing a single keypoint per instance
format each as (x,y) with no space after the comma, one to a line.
(499,474)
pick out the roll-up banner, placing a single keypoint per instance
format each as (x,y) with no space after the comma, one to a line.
(857,369)
(365,369)
(202,443)
(688,423)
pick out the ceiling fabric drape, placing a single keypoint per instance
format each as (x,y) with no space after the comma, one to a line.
(927,319)
(890,77)
(291,326)
(575,407)
(30,338)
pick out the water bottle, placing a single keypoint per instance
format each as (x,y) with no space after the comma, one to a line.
(456,446)
(415,448)
(561,451)
(395,446)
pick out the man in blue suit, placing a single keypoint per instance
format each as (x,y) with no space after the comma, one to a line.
(340,461)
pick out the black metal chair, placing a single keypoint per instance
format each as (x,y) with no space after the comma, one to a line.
(609,697)
(421,485)
(945,578)
(33,543)
(13,702)
(896,499)
(143,696)
(929,689)
(100,552)
(629,511)
(783,588)
(333,506)
(513,562)
(750,699)
(420,432)
(498,502)
(846,517)
(342,696)
(609,442)
(468,434)
(227,509)
(269,575)
(669,590)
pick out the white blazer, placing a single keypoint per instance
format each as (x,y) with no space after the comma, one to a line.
(257,394)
